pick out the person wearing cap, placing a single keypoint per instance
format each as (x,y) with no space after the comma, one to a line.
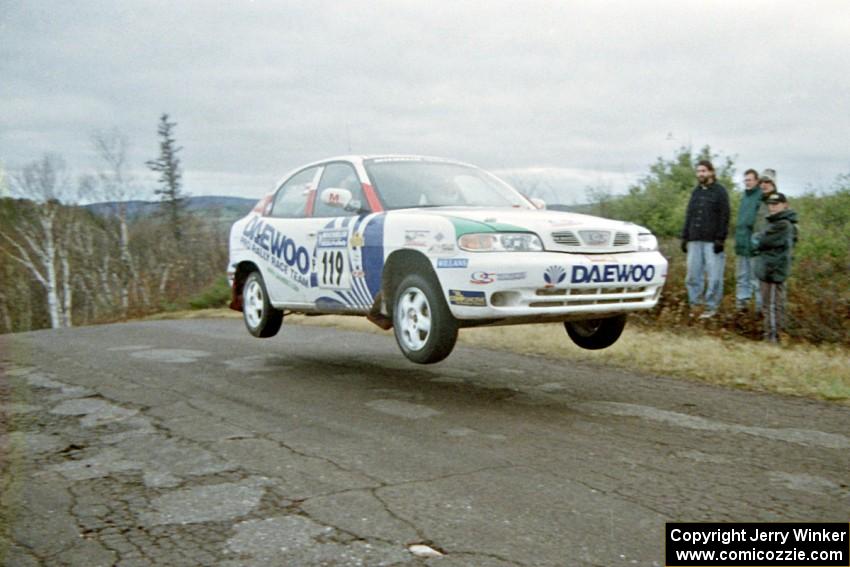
(703,239)
(746,283)
(767,183)
(773,247)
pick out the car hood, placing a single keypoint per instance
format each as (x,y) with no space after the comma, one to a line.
(472,219)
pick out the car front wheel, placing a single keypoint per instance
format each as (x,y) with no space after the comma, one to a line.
(425,329)
(261,319)
(595,334)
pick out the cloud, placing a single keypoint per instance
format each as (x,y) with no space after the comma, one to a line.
(258,88)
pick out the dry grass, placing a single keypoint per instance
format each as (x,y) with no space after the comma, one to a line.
(814,372)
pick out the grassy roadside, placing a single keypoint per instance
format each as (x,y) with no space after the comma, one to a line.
(808,371)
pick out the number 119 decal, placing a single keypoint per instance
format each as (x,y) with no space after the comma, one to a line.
(333,269)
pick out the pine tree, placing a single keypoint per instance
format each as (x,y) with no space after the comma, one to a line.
(168,167)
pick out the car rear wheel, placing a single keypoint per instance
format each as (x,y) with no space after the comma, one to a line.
(425,330)
(261,319)
(595,334)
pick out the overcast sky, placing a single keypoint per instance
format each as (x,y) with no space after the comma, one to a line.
(581,93)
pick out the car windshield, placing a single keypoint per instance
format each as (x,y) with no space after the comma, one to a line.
(403,184)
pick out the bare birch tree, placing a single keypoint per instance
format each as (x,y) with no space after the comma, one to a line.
(4,183)
(116,186)
(39,241)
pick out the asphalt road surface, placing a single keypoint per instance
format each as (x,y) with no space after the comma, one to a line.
(190,442)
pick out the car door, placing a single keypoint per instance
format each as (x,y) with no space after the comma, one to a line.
(339,275)
(291,240)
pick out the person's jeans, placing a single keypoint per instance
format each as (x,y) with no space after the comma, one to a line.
(747,285)
(703,262)
(774,310)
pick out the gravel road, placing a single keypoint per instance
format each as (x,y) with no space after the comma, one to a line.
(192,443)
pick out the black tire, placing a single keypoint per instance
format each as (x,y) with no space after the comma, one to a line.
(595,334)
(417,299)
(261,319)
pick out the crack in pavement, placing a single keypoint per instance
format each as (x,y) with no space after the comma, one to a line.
(530,502)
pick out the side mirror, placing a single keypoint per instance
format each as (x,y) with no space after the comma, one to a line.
(336,197)
(539,203)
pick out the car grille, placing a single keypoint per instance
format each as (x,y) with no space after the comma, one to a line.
(591,296)
(595,237)
(622,239)
(567,238)
(591,241)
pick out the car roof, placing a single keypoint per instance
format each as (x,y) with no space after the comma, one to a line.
(360,158)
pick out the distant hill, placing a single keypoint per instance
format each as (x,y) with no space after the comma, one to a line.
(219,207)
(228,209)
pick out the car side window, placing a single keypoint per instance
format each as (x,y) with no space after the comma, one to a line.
(291,199)
(339,176)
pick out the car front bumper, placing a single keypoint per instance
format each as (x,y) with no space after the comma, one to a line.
(550,285)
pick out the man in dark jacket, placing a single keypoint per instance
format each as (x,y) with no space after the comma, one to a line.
(774,246)
(746,283)
(703,239)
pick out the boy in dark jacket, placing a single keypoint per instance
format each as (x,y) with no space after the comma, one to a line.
(774,246)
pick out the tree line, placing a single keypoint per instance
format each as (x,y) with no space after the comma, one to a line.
(63,265)
(819,286)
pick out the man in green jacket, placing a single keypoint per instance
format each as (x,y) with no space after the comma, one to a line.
(747,285)
(774,246)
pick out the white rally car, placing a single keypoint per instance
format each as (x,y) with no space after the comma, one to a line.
(426,246)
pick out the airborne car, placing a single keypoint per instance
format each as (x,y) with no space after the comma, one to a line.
(426,246)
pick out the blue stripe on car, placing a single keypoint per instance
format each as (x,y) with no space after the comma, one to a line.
(359,286)
(373,253)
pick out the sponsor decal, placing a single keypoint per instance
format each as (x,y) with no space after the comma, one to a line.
(416,238)
(482,278)
(554,275)
(511,276)
(281,252)
(358,274)
(467,298)
(333,238)
(442,248)
(452,263)
(284,281)
(613,273)
(356,240)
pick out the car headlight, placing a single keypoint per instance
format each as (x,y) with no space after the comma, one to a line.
(500,242)
(647,243)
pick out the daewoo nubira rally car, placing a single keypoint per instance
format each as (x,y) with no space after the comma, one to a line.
(427,246)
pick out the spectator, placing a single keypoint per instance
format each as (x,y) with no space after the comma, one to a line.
(767,182)
(703,239)
(774,246)
(747,284)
